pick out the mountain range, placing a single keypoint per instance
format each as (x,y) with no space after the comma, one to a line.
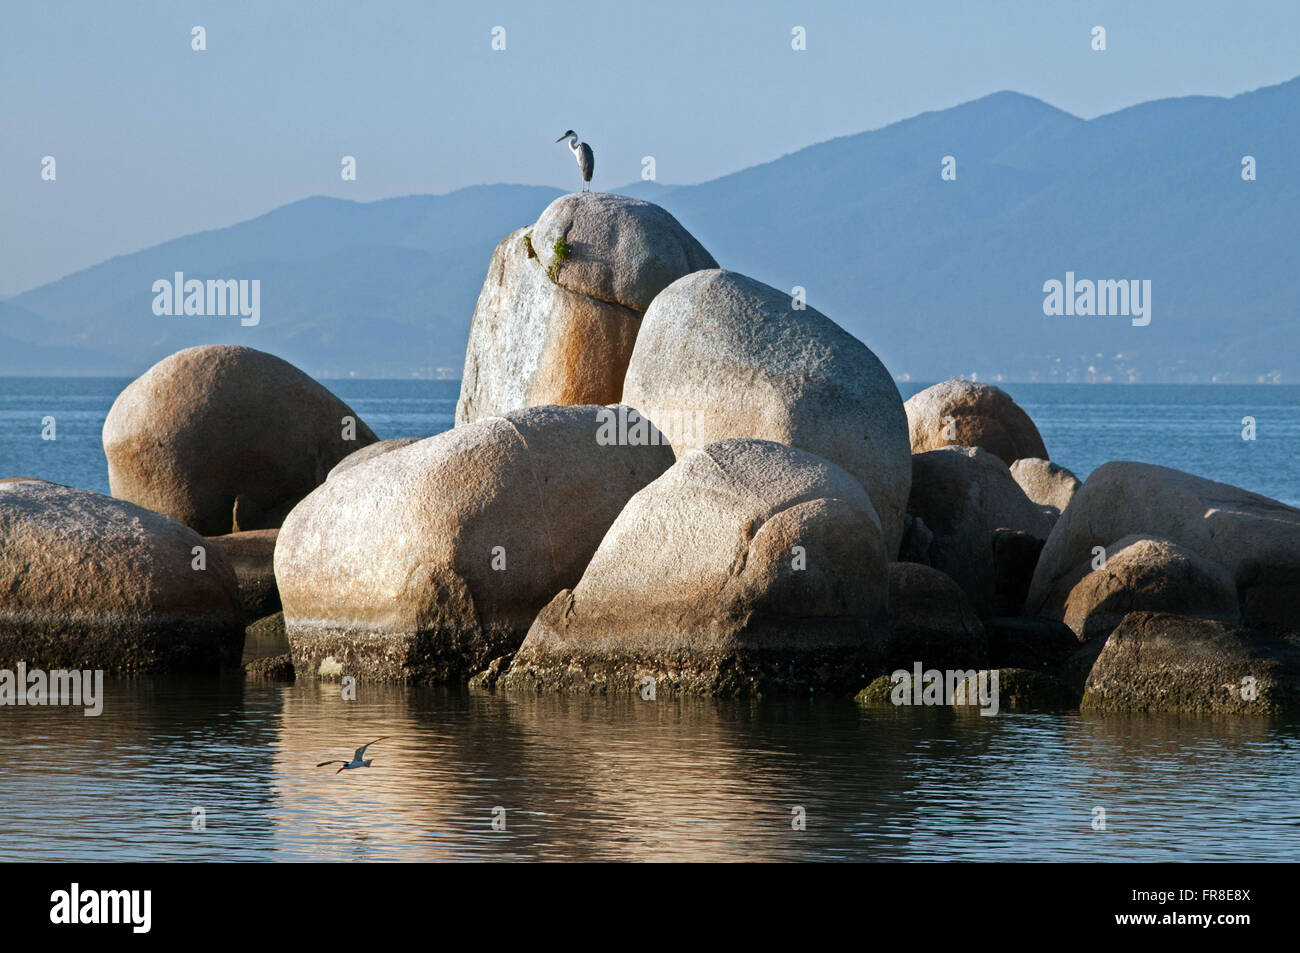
(942,277)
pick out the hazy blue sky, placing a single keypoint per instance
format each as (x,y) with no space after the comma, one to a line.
(154,140)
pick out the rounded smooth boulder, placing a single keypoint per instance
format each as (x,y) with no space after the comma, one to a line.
(427,562)
(723,356)
(226,438)
(88,581)
(750,567)
(972,414)
(620,249)
(252,555)
(1141,573)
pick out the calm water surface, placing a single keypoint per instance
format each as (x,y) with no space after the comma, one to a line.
(605,779)
(591,778)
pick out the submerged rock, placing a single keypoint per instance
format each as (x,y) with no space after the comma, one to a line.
(426,562)
(87,581)
(970,414)
(990,691)
(750,567)
(1018,690)
(878,693)
(273,668)
(561,306)
(487,679)
(1156,661)
(225,438)
(721,355)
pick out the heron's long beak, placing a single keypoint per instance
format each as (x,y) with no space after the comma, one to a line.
(561,139)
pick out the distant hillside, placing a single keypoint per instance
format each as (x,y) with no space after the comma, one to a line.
(376,289)
(941,278)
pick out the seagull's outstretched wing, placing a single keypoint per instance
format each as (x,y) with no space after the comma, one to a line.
(323,763)
(361,752)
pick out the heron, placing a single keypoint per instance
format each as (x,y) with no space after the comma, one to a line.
(358,759)
(583,154)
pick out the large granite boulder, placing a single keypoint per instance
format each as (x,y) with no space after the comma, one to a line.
(971,414)
(1046,483)
(1141,573)
(1157,661)
(1254,538)
(426,562)
(721,355)
(560,308)
(225,438)
(750,567)
(87,581)
(964,496)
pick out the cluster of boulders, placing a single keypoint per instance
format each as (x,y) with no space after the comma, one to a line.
(664,478)
(207,453)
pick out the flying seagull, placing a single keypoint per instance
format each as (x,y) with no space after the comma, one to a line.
(356,761)
(582,152)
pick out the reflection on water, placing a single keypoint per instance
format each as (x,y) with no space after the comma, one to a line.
(604,779)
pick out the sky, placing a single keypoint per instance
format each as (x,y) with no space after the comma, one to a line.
(153,140)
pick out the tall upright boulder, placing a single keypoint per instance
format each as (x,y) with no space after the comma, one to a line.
(749,567)
(561,306)
(87,581)
(226,438)
(721,355)
(971,414)
(427,562)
